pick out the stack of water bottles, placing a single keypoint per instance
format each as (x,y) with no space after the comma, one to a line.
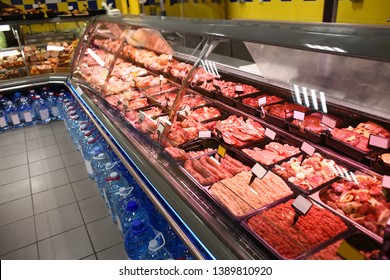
(146,233)
(30,109)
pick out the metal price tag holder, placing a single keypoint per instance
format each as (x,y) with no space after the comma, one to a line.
(301,206)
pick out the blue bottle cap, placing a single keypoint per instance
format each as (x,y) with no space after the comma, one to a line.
(137,224)
(131,205)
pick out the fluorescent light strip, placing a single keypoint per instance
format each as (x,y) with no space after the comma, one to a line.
(334,170)
(347,174)
(339,171)
(297,94)
(215,69)
(306,96)
(323,102)
(314,99)
(354,179)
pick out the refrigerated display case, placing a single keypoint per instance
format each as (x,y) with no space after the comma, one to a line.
(228,147)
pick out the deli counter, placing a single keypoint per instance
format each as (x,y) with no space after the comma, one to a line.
(255,140)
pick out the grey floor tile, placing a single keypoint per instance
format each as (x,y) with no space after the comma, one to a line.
(93,208)
(77,172)
(43,153)
(12,149)
(90,258)
(53,198)
(72,158)
(15,190)
(29,252)
(46,165)
(40,132)
(16,210)
(40,142)
(14,174)
(67,147)
(13,161)
(58,127)
(62,137)
(104,234)
(12,137)
(58,220)
(49,180)
(70,245)
(85,188)
(116,252)
(17,235)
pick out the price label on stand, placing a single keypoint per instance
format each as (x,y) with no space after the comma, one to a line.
(221,151)
(259,171)
(379,142)
(141,116)
(35,6)
(204,134)
(329,122)
(308,149)
(301,206)
(160,128)
(239,88)
(347,252)
(270,133)
(298,115)
(79,90)
(262,101)
(169,57)
(70,8)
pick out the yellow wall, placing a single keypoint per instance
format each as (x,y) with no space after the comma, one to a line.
(296,10)
(365,12)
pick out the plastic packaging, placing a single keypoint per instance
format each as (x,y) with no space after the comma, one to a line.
(12,115)
(52,104)
(137,239)
(111,191)
(41,110)
(131,211)
(26,112)
(157,251)
(3,121)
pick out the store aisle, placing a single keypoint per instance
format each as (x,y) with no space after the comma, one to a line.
(49,208)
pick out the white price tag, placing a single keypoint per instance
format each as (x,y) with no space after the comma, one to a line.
(79,90)
(35,6)
(299,115)
(55,48)
(308,149)
(239,88)
(164,120)
(386,182)
(170,57)
(3,123)
(55,111)
(262,101)
(377,141)
(70,8)
(259,171)
(160,128)
(161,77)
(328,121)
(5,27)
(270,133)
(302,205)
(44,114)
(187,109)
(27,117)
(204,134)
(141,116)
(15,119)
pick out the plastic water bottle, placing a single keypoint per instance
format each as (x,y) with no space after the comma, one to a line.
(181,252)
(125,194)
(26,112)
(31,96)
(60,104)
(52,104)
(3,121)
(131,211)
(137,239)
(41,110)
(44,93)
(111,191)
(73,126)
(12,115)
(104,173)
(157,251)
(98,163)
(88,154)
(16,98)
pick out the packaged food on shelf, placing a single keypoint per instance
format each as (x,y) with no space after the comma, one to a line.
(279,114)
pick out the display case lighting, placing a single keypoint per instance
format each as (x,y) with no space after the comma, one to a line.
(210,67)
(96,57)
(326,48)
(309,99)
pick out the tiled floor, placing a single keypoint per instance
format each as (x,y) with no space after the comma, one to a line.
(49,208)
